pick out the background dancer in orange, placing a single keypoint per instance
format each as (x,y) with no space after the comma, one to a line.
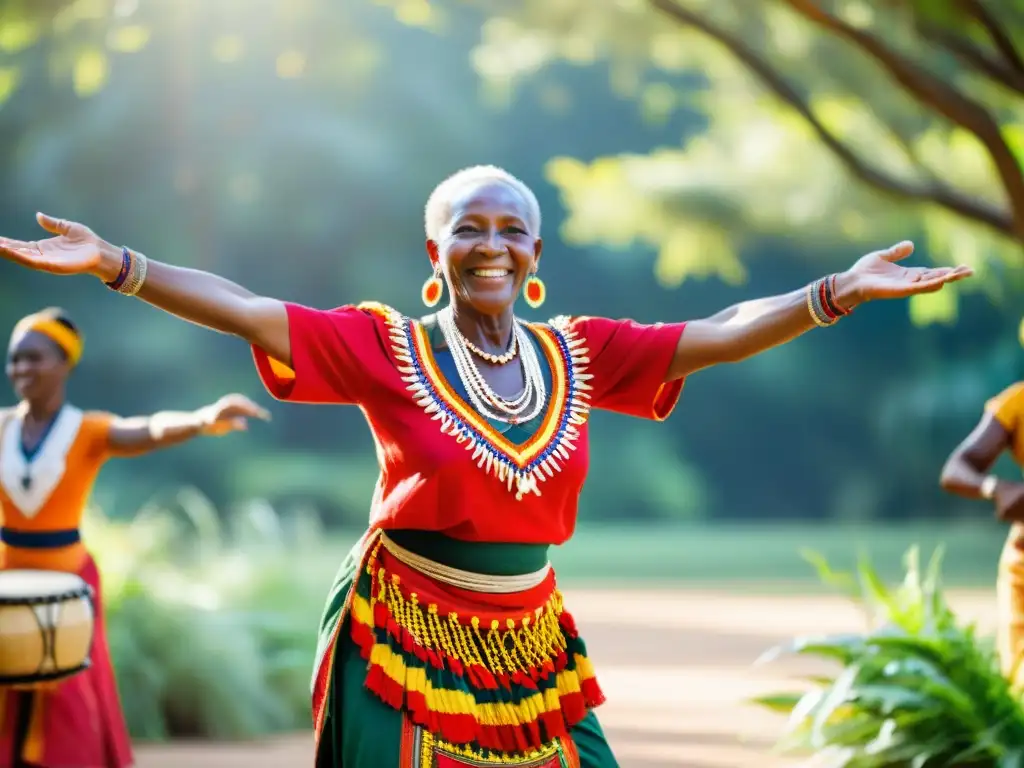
(50,455)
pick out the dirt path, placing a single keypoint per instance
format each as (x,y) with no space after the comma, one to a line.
(673,700)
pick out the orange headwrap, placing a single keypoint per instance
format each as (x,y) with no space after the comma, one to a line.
(48,325)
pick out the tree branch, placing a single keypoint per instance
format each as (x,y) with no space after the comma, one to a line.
(932,191)
(938,95)
(1000,39)
(973,56)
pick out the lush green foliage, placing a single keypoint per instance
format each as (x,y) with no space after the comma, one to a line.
(838,121)
(920,689)
(212,626)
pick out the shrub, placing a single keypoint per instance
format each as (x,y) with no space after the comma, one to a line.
(920,689)
(212,626)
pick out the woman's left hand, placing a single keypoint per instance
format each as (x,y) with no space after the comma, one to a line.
(878,276)
(230,414)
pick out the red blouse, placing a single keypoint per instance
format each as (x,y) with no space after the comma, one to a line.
(443,467)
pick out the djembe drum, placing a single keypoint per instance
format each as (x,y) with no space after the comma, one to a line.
(46,627)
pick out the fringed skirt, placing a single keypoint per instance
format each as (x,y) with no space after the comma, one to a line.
(422,664)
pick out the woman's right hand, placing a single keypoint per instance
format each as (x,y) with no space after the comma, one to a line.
(191,294)
(1009,501)
(74,250)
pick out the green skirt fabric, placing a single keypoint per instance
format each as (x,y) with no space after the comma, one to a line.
(356,729)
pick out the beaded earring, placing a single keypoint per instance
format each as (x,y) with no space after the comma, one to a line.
(534,291)
(432,289)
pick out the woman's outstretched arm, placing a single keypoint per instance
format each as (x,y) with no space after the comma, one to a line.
(745,329)
(214,302)
(199,297)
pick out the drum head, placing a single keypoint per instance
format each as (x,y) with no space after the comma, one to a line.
(30,587)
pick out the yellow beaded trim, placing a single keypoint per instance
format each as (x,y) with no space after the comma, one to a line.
(430,746)
(533,638)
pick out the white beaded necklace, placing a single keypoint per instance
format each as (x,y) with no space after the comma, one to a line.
(502,359)
(487,402)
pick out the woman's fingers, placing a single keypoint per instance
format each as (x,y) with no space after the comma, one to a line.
(19,251)
(53,224)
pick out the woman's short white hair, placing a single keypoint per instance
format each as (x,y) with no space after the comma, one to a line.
(438,209)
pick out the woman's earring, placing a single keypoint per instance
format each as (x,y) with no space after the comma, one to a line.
(534,291)
(432,289)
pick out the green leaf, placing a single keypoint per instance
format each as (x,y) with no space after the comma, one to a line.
(843,582)
(778,702)
(842,648)
(840,693)
(890,698)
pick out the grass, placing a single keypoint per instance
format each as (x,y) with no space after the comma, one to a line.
(212,618)
(768,556)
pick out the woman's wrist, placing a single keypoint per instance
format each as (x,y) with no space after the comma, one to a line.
(847,293)
(204,417)
(108,267)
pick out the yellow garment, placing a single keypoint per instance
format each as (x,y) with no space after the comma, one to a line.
(60,334)
(1008,409)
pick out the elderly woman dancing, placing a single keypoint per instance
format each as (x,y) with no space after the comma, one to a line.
(445,640)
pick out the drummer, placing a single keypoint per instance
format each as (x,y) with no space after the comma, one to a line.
(50,454)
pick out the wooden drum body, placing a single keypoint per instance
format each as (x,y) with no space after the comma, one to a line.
(46,627)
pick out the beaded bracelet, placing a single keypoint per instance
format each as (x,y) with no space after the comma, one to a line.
(830,297)
(132,275)
(821,303)
(814,306)
(126,265)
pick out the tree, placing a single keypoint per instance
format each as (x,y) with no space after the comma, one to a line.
(832,123)
(82,37)
(838,122)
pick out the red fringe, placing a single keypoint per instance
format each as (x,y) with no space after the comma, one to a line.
(592,693)
(464,728)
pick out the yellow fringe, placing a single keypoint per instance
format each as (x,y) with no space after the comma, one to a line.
(430,745)
(517,646)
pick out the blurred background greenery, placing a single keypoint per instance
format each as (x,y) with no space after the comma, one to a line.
(688,154)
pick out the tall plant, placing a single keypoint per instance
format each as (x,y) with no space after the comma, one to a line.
(918,689)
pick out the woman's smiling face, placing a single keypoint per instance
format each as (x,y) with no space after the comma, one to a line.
(486,250)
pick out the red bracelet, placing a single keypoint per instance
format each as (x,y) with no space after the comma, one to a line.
(839,309)
(824,299)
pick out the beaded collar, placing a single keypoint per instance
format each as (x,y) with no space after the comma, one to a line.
(521,467)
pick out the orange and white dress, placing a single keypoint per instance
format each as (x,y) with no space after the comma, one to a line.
(43,496)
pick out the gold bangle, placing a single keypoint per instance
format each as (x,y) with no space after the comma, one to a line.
(136,275)
(811,309)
